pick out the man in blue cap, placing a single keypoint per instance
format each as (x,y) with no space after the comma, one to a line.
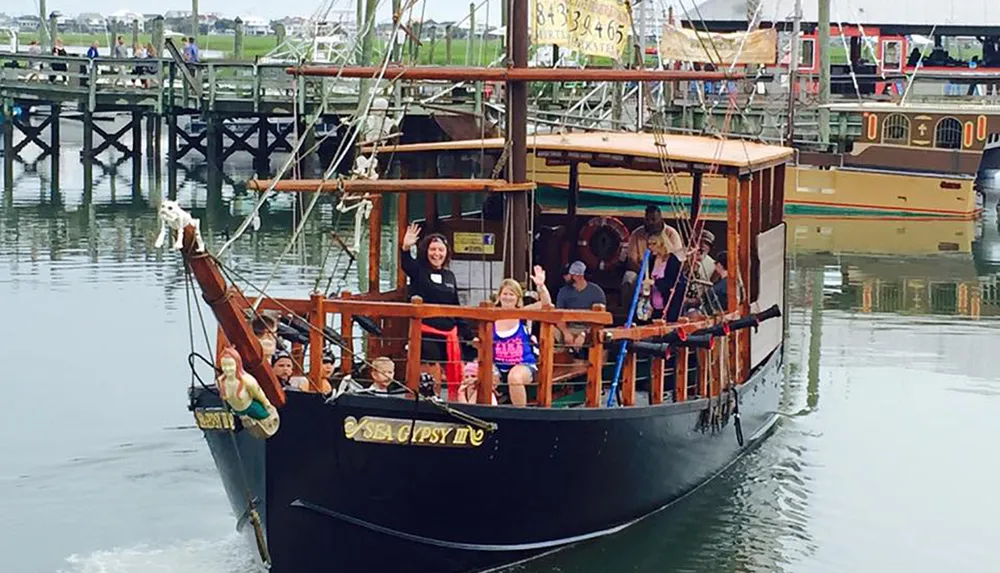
(578,294)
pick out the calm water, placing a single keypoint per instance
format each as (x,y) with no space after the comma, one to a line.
(882,460)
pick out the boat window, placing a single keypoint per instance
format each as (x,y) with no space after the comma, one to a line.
(807,49)
(948,134)
(896,129)
(892,55)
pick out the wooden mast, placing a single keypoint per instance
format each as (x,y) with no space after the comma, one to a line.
(517,138)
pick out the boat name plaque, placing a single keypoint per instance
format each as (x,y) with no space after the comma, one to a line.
(405,432)
(214,419)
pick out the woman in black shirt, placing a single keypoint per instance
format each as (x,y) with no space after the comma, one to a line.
(431,280)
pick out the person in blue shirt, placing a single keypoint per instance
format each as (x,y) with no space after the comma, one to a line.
(92,51)
(191,51)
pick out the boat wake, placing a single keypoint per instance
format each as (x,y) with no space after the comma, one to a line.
(225,555)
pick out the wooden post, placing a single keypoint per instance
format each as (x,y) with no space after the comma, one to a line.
(472,34)
(764,206)
(705,363)
(158,36)
(53,30)
(447,45)
(628,380)
(375,245)
(402,221)
(8,144)
(238,39)
(135,36)
(595,359)
(279,33)
(485,393)
(681,374)
(194,19)
(657,375)
(413,353)
(546,356)
(743,336)
(732,255)
(755,226)
(778,195)
(317,318)
(433,45)
(823,43)
(347,333)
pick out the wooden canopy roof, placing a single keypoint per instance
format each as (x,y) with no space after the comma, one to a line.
(634,150)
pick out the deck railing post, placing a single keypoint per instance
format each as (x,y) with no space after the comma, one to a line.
(317,319)
(484,396)
(628,380)
(595,359)
(656,376)
(347,333)
(681,375)
(413,352)
(546,355)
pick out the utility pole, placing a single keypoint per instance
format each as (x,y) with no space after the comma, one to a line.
(793,71)
(44,40)
(823,40)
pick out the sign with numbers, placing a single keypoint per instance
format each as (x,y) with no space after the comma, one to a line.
(594,27)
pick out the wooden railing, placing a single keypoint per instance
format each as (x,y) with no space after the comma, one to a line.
(706,370)
(381,308)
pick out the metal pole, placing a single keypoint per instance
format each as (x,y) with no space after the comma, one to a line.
(823,40)
(517,136)
(793,70)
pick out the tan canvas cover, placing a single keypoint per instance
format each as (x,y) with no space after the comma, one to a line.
(687,45)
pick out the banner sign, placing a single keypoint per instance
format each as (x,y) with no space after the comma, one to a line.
(593,27)
(687,45)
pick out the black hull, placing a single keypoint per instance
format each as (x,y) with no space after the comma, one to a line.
(544,480)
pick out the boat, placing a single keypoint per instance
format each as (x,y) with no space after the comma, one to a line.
(641,416)
(831,192)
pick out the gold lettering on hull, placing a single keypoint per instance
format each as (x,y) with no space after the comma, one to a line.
(214,419)
(377,430)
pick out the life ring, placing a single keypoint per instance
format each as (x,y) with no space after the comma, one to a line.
(603,243)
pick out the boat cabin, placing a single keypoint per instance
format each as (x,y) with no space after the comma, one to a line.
(576,214)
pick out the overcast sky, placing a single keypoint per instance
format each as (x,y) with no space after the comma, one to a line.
(441,10)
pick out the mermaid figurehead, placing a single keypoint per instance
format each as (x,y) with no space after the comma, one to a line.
(231,365)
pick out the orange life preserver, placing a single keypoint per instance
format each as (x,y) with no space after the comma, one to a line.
(603,243)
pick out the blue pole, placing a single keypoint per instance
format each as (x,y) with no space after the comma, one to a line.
(628,324)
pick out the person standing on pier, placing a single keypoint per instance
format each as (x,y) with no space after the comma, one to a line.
(191,51)
(92,51)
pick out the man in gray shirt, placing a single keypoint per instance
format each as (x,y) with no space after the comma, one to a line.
(578,295)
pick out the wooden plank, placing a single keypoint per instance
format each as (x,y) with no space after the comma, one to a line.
(681,374)
(628,380)
(402,221)
(485,393)
(546,357)
(552,316)
(413,354)
(376,186)
(657,375)
(746,265)
(764,206)
(705,369)
(375,245)
(317,319)
(732,243)
(595,358)
(778,196)
(347,333)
